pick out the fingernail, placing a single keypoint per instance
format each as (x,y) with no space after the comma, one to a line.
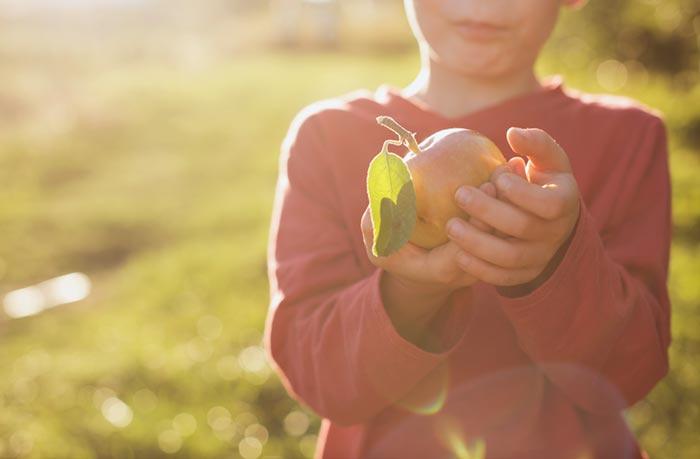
(464,195)
(454,227)
(504,182)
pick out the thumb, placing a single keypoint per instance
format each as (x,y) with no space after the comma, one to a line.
(545,154)
(517,165)
(366,226)
(368,233)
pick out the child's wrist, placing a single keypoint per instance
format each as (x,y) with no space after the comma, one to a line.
(415,288)
(411,305)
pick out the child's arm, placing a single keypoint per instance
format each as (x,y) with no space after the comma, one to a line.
(328,330)
(417,283)
(598,325)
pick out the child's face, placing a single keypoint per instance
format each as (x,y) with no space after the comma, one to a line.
(483,38)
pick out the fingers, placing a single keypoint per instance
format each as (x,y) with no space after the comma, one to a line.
(488,189)
(437,266)
(491,274)
(367,232)
(500,252)
(517,165)
(540,148)
(496,213)
(549,202)
(405,254)
(441,267)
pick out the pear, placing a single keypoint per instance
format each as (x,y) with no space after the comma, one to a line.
(441,164)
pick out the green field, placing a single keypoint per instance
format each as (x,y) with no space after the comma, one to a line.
(158,184)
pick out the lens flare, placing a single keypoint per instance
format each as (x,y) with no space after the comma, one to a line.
(185,424)
(429,396)
(24,302)
(296,423)
(218,418)
(253,361)
(258,431)
(170,441)
(117,412)
(453,439)
(66,289)
(54,292)
(250,448)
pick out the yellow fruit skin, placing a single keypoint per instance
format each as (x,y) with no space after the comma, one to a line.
(448,160)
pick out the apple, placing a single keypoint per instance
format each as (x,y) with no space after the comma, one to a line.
(439,165)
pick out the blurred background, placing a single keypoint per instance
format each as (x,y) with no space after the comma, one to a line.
(139,142)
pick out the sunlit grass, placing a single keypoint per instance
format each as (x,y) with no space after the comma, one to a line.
(165,202)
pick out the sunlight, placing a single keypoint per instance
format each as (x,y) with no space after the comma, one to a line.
(451,436)
(219,418)
(430,395)
(170,441)
(185,424)
(23,6)
(250,448)
(54,292)
(66,289)
(296,423)
(117,412)
(24,302)
(253,361)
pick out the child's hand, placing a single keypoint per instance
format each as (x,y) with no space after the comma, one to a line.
(428,270)
(537,216)
(417,282)
(434,269)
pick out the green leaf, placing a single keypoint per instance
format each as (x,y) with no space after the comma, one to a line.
(392,201)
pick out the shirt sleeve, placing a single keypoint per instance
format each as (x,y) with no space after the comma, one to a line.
(599,326)
(327,332)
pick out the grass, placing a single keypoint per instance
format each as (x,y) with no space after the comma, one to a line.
(158,184)
(161,191)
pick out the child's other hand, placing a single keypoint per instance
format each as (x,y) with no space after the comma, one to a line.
(536,214)
(417,282)
(431,270)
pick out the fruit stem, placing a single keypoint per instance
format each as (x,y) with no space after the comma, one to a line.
(385,147)
(406,137)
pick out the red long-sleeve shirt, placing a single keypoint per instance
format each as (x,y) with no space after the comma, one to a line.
(544,375)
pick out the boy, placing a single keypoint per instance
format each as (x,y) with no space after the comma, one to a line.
(542,318)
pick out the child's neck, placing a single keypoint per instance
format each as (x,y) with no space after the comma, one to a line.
(453,95)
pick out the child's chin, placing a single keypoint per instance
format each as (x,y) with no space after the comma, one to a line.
(479,61)
(475,68)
